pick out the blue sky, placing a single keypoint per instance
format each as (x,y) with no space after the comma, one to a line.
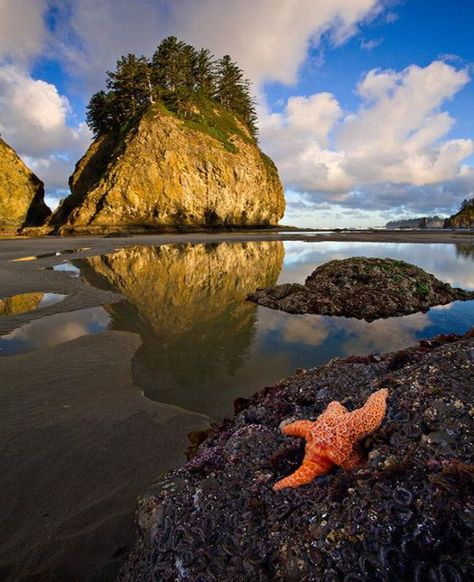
(365,105)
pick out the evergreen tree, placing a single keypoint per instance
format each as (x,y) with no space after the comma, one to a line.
(130,86)
(233,92)
(467,203)
(172,66)
(99,116)
(176,72)
(204,73)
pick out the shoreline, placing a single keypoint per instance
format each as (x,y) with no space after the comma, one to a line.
(369,235)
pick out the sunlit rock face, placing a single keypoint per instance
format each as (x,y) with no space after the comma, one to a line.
(163,173)
(462,219)
(191,296)
(21,193)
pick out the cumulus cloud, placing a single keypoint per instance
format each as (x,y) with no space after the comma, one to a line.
(33,119)
(269,41)
(33,113)
(392,145)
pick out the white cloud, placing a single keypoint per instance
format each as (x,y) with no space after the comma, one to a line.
(33,120)
(91,35)
(395,139)
(269,40)
(22,30)
(368,45)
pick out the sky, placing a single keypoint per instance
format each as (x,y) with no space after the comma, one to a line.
(366,106)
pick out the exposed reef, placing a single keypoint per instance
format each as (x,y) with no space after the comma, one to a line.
(161,171)
(362,288)
(406,514)
(21,193)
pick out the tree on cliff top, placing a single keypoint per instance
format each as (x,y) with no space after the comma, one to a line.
(467,203)
(176,74)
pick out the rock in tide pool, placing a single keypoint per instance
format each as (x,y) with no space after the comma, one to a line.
(363,288)
(405,514)
(21,193)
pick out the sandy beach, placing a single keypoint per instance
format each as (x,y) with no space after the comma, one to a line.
(79,440)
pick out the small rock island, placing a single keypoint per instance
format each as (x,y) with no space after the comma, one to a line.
(363,288)
(175,146)
(21,193)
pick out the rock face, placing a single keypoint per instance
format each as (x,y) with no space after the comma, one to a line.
(362,288)
(403,515)
(164,172)
(21,193)
(462,219)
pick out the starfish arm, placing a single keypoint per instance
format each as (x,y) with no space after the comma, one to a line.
(336,408)
(367,419)
(355,459)
(309,470)
(300,428)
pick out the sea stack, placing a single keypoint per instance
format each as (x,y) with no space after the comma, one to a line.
(175,147)
(464,218)
(21,193)
(163,171)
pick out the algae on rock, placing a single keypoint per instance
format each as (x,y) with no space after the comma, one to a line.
(163,171)
(21,193)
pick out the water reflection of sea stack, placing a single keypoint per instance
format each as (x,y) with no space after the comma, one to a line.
(195,324)
(20,303)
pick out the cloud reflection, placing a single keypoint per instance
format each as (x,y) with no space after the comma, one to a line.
(54,329)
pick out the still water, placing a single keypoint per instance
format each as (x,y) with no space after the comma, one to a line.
(204,345)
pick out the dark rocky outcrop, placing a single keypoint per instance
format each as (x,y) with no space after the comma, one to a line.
(362,288)
(21,193)
(404,515)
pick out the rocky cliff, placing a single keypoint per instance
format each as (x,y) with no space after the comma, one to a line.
(462,219)
(165,171)
(21,193)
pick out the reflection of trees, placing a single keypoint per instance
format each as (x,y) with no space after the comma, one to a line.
(188,304)
(20,303)
(465,250)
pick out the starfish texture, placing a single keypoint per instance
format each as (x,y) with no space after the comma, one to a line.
(333,438)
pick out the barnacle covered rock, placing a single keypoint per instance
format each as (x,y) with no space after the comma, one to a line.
(363,288)
(404,514)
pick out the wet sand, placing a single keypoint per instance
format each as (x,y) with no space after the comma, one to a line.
(79,442)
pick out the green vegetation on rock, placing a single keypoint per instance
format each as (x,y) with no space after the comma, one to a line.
(184,80)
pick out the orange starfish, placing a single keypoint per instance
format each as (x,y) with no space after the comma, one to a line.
(332,439)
